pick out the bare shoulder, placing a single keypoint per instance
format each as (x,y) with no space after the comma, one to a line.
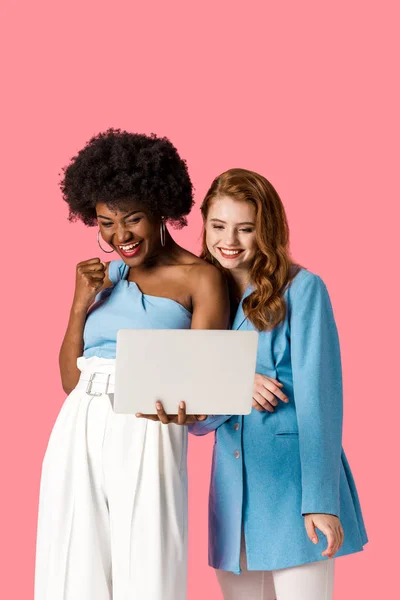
(196,270)
(210,297)
(207,275)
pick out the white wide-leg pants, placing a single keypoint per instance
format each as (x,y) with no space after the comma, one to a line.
(312,581)
(113,502)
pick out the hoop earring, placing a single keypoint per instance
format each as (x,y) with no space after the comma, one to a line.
(101,248)
(162,231)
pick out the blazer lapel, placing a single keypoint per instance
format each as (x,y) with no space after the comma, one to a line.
(240,316)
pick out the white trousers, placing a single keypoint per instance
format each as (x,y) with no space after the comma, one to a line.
(312,581)
(113,503)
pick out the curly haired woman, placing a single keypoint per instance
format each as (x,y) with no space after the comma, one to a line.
(113,499)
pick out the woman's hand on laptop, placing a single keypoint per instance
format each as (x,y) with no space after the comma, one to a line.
(266,393)
(180,419)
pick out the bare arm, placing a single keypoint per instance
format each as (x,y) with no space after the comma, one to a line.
(91,278)
(72,348)
(210,299)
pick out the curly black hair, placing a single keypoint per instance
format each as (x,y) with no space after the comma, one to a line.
(116,167)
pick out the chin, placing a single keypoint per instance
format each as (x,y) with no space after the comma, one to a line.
(230,264)
(134,262)
(226,262)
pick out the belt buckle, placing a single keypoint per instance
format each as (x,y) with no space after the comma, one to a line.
(90,383)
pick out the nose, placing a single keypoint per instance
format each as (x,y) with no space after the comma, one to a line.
(122,235)
(230,238)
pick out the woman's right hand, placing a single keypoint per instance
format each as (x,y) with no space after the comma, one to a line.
(266,393)
(90,276)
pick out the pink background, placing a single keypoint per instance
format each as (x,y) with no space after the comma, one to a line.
(303,92)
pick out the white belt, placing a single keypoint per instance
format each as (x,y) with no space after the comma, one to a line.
(97,383)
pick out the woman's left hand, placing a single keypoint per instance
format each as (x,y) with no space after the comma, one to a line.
(330,526)
(180,419)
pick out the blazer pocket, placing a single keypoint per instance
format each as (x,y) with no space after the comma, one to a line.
(287,434)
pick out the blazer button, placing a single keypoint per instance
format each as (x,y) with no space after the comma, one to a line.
(237,454)
(236,427)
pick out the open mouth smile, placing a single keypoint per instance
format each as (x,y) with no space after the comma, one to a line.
(130,250)
(230,253)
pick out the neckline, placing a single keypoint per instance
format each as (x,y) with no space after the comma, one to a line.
(133,283)
(240,317)
(247,292)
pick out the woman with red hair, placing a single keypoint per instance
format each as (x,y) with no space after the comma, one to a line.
(279,474)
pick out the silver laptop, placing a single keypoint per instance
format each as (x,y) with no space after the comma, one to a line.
(211,370)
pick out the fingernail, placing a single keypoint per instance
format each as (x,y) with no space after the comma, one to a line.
(158,406)
(138,414)
(181,405)
(314,540)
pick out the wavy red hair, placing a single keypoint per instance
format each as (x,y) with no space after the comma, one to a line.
(273,269)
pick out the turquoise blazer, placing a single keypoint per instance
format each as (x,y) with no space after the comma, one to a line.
(270,469)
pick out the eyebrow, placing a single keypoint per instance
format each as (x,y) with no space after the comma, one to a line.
(126,216)
(243,223)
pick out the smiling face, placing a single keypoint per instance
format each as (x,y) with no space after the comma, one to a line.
(130,231)
(231,232)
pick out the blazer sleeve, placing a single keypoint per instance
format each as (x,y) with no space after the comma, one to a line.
(210,424)
(317,386)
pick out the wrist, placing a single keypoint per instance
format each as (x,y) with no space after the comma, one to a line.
(79,307)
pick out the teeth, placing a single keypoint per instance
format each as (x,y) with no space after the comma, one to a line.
(230,252)
(130,247)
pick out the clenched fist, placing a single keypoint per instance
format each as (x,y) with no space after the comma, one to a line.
(90,276)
